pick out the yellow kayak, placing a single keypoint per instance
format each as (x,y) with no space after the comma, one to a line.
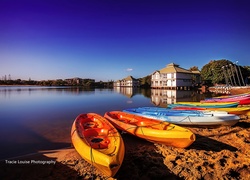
(98,142)
(234,110)
(151,129)
(206,104)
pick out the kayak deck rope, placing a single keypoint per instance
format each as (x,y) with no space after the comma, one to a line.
(92,155)
(163,123)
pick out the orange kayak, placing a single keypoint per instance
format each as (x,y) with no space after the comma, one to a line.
(98,142)
(151,129)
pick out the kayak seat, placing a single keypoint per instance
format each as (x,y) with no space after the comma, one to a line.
(90,124)
(97,138)
(99,142)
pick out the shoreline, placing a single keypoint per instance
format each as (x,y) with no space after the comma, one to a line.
(217,153)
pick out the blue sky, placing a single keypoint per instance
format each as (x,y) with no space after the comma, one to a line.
(111,39)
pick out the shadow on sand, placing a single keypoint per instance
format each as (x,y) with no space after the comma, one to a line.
(243,124)
(141,161)
(35,167)
(208,144)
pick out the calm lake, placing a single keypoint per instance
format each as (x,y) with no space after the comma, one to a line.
(37,118)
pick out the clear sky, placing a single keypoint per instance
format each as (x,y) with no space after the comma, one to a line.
(111,39)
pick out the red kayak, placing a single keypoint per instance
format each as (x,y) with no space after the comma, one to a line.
(244,101)
(241,100)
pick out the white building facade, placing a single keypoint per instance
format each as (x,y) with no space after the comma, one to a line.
(127,82)
(172,77)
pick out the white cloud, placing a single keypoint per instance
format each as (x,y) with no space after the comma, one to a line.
(129,69)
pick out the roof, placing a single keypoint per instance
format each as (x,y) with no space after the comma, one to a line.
(196,72)
(129,78)
(173,68)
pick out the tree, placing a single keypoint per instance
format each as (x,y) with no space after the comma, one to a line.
(145,81)
(222,71)
(194,68)
(213,71)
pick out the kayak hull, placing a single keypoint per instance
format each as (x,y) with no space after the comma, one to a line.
(242,100)
(206,104)
(98,142)
(234,110)
(151,130)
(193,118)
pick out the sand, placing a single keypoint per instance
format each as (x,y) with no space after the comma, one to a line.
(217,153)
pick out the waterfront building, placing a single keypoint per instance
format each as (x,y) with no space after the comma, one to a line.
(174,77)
(129,81)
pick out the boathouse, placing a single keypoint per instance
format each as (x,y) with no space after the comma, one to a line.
(174,77)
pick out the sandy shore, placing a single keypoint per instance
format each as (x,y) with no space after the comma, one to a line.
(218,153)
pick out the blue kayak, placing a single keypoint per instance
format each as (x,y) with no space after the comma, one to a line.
(157,111)
(186,117)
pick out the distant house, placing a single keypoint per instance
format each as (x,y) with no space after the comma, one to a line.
(75,80)
(117,83)
(129,81)
(173,77)
(79,81)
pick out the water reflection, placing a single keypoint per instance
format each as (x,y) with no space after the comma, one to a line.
(40,118)
(161,97)
(127,91)
(132,91)
(7,91)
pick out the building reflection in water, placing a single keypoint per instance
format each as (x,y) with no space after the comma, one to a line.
(127,91)
(162,97)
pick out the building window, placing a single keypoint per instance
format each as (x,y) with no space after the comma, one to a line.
(157,76)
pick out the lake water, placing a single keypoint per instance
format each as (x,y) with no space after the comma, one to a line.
(34,118)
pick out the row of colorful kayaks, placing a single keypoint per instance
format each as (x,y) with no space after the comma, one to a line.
(97,138)
(219,102)
(242,99)
(98,141)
